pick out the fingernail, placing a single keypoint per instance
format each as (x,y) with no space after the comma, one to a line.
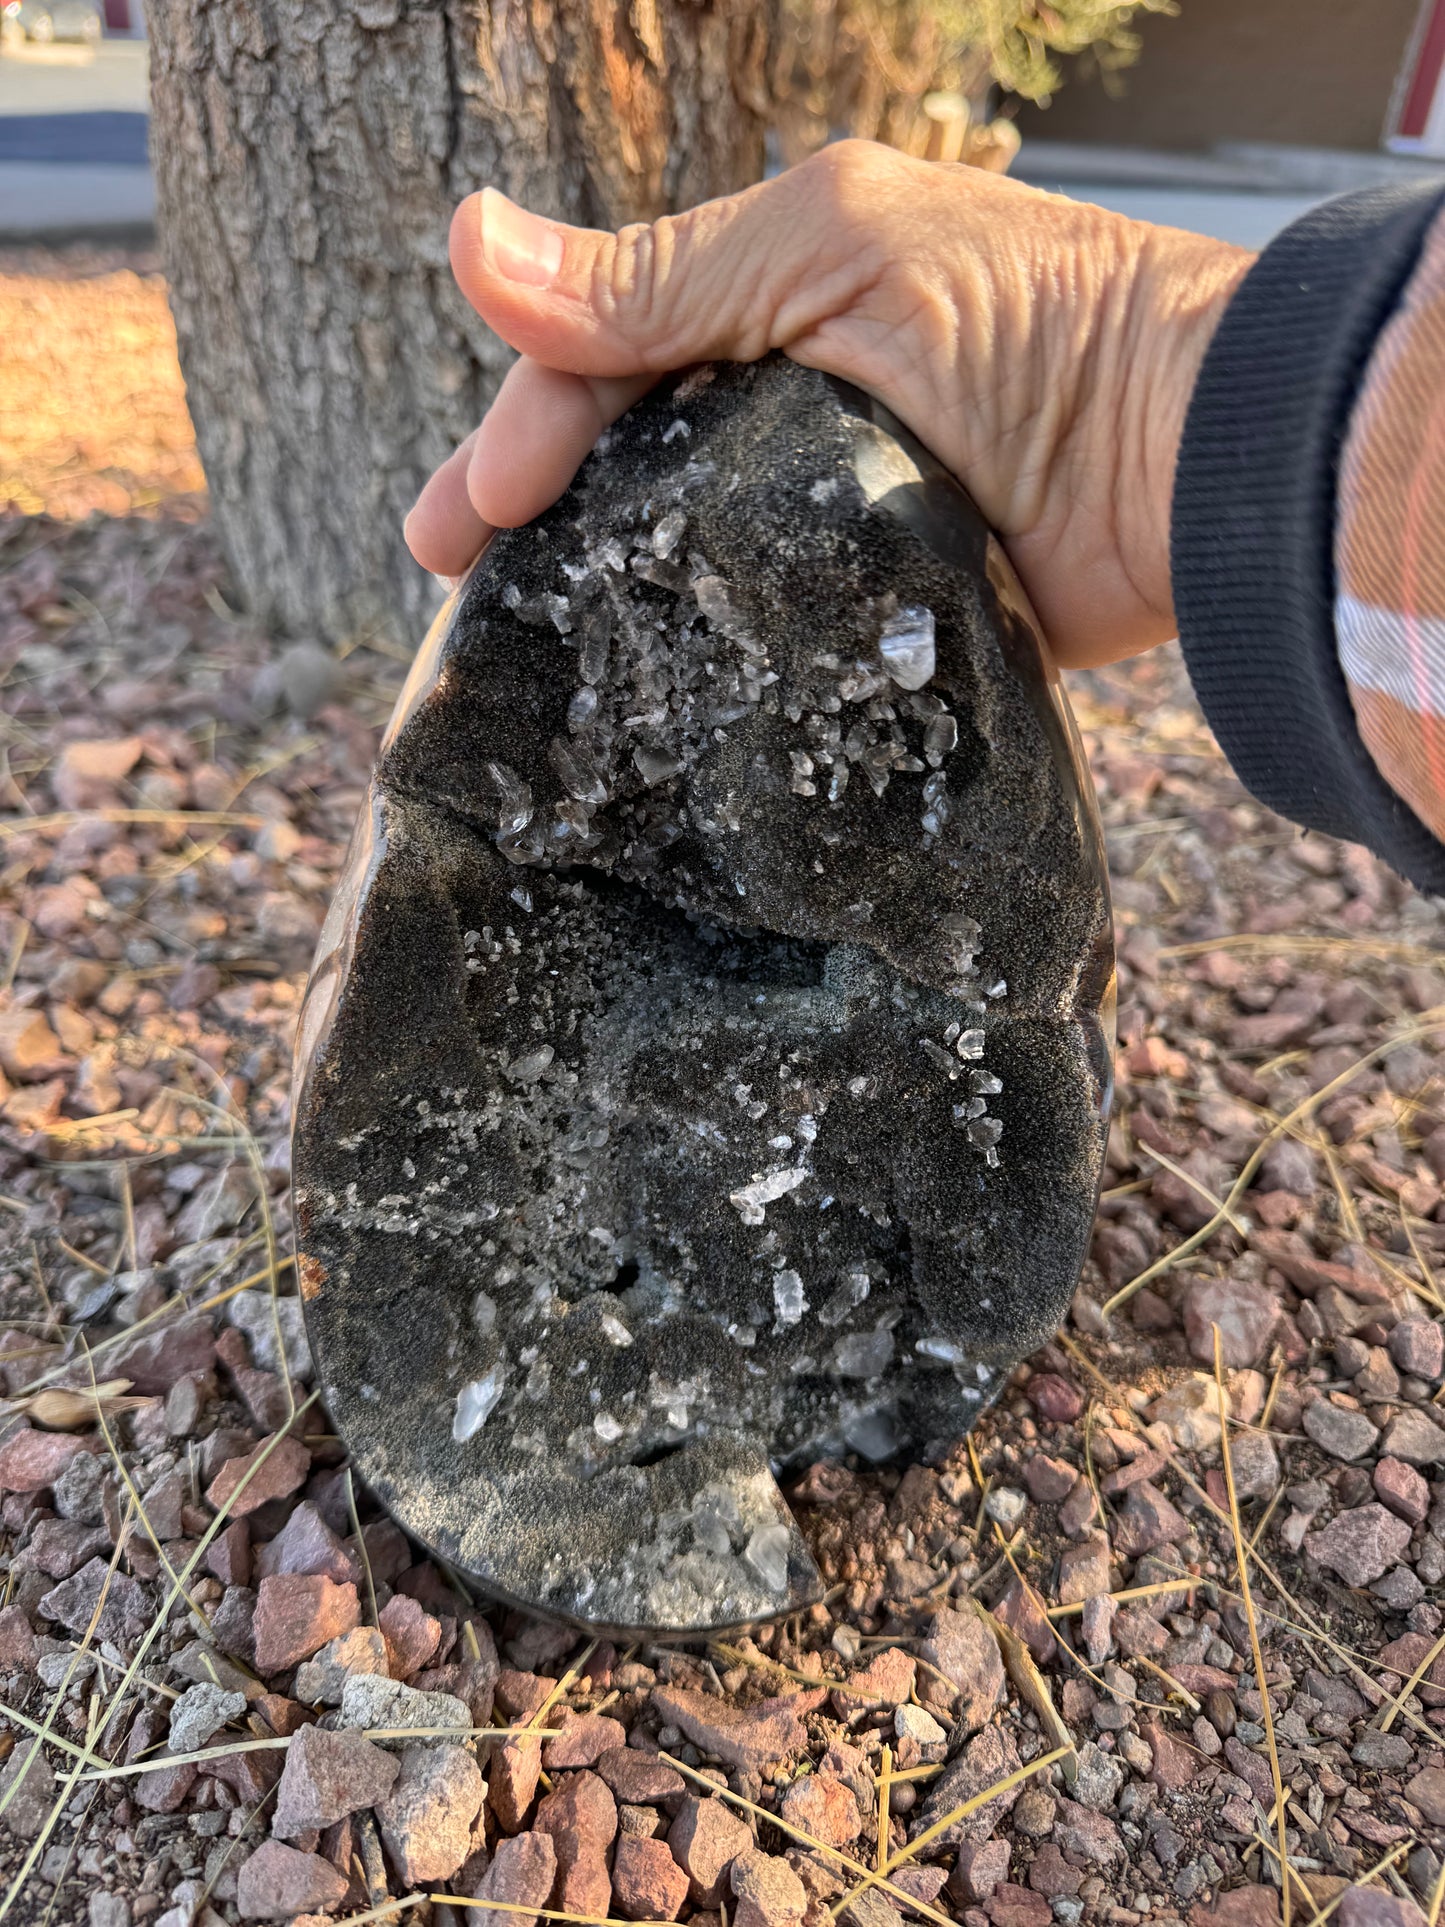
(516,244)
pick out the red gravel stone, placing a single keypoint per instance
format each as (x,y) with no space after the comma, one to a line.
(584,1885)
(1360,1544)
(426,1819)
(306,1544)
(1245,1313)
(412,1634)
(1240,1907)
(1403,1489)
(767,1890)
(1055,1398)
(582,1740)
(278,1881)
(328,1775)
(1052,1876)
(1417,1346)
(822,1806)
(1174,1764)
(31,1460)
(1146,1521)
(1050,1481)
(887,1680)
(512,1781)
(748,1736)
(18,1648)
(296,1613)
(581,1803)
(981,1865)
(286,1468)
(705,1839)
(641,1779)
(647,1883)
(228,1556)
(522,1873)
(161,1358)
(1011,1906)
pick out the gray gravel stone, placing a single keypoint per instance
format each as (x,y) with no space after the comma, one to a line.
(1340,1432)
(370,1701)
(201,1711)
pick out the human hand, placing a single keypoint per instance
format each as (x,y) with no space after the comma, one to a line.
(1043,349)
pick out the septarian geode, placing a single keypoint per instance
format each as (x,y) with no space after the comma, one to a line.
(706,1063)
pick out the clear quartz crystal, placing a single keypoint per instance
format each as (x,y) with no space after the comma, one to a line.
(767,1553)
(582,708)
(750,1200)
(788,1299)
(850,1293)
(940,739)
(596,638)
(907,647)
(654,765)
(668,533)
(514,798)
(577,771)
(476,1402)
(863,1354)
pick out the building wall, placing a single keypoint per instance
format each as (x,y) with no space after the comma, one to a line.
(1318,73)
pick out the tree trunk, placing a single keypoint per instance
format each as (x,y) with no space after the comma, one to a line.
(308,156)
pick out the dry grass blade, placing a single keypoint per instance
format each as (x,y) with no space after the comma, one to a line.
(1176,1687)
(1323,1913)
(1283,945)
(67,819)
(1028,1681)
(808,1840)
(1242,1562)
(130,1769)
(535,1913)
(1214,1202)
(940,1827)
(885,1793)
(173,1308)
(197,1554)
(1256,1158)
(62,1800)
(43,1732)
(390,1907)
(134,1495)
(366,1557)
(1119,1598)
(1432,1914)
(1396,1705)
(760,1662)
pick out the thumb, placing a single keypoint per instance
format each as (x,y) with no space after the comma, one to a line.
(730,279)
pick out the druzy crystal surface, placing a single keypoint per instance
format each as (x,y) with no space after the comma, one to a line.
(706,1063)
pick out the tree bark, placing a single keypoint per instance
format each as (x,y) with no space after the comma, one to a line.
(308,156)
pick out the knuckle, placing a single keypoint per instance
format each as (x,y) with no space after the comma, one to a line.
(628,275)
(847,173)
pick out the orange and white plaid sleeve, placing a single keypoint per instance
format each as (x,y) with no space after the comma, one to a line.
(1390,545)
(1308,527)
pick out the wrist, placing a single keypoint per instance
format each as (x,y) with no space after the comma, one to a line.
(1181,287)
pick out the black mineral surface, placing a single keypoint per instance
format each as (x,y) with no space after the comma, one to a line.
(706,1063)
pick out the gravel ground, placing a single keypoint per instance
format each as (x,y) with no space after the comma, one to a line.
(208,1617)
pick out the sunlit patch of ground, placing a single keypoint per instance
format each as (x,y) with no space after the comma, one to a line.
(92,404)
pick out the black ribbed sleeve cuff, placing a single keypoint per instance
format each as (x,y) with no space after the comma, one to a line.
(1254,511)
